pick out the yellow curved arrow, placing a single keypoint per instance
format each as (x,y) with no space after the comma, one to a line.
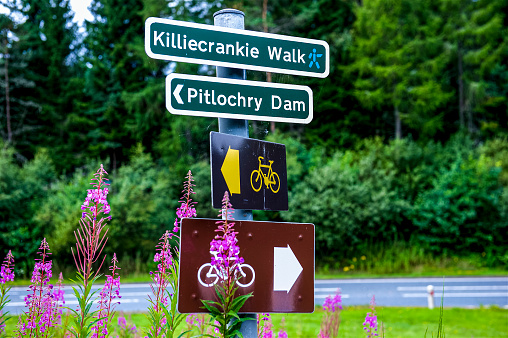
(231,170)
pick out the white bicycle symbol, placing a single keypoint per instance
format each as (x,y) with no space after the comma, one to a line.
(214,274)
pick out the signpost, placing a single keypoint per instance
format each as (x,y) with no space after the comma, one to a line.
(238,99)
(279,257)
(278,267)
(252,171)
(229,47)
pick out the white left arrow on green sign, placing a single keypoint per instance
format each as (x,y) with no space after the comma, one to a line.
(176,93)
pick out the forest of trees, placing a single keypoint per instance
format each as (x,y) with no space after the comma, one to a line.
(409,140)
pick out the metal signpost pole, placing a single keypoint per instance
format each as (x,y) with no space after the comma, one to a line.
(232,18)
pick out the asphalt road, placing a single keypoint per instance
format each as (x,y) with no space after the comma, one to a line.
(458,292)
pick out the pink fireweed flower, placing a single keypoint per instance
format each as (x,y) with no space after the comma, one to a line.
(91,236)
(107,303)
(127,329)
(95,200)
(59,298)
(282,331)
(331,319)
(333,303)
(166,274)
(194,319)
(6,275)
(224,248)
(41,301)
(161,280)
(187,206)
(225,258)
(370,323)
(265,326)
(7,269)
(122,322)
(165,259)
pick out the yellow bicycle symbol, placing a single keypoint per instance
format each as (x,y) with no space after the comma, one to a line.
(271,179)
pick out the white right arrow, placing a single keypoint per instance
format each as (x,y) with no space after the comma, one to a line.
(176,93)
(286,269)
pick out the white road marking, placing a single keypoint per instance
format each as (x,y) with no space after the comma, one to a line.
(456,288)
(457,295)
(334,290)
(412,280)
(324,296)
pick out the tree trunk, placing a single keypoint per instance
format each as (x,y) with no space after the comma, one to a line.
(265,29)
(470,126)
(114,161)
(188,136)
(7,96)
(398,127)
(461,90)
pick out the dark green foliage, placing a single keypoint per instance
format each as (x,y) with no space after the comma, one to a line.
(460,213)
(399,60)
(349,202)
(40,71)
(139,213)
(203,189)
(142,196)
(441,65)
(22,190)
(446,198)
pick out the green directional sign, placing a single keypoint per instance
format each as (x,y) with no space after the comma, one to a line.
(227,47)
(238,99)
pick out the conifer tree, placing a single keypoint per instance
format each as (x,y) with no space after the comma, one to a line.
(17,109)
(398,61)
(476,33)
(44,38)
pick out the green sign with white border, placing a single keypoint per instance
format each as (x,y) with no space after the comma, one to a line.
(238,99)
(181,41)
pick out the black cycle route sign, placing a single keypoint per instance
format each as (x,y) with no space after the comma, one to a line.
(253,172)
(173,40)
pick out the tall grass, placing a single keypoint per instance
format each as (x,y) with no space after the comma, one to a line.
(402,258)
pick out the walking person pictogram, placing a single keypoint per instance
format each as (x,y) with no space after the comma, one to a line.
(313,57)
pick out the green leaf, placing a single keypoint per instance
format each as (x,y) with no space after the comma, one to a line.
(239,302)
(184,333)
(237,333)
(233,314)
(213,311)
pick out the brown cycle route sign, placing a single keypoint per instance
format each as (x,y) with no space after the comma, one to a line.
(279,266)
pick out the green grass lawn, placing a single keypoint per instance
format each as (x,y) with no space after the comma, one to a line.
(405,322)
(397,322)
